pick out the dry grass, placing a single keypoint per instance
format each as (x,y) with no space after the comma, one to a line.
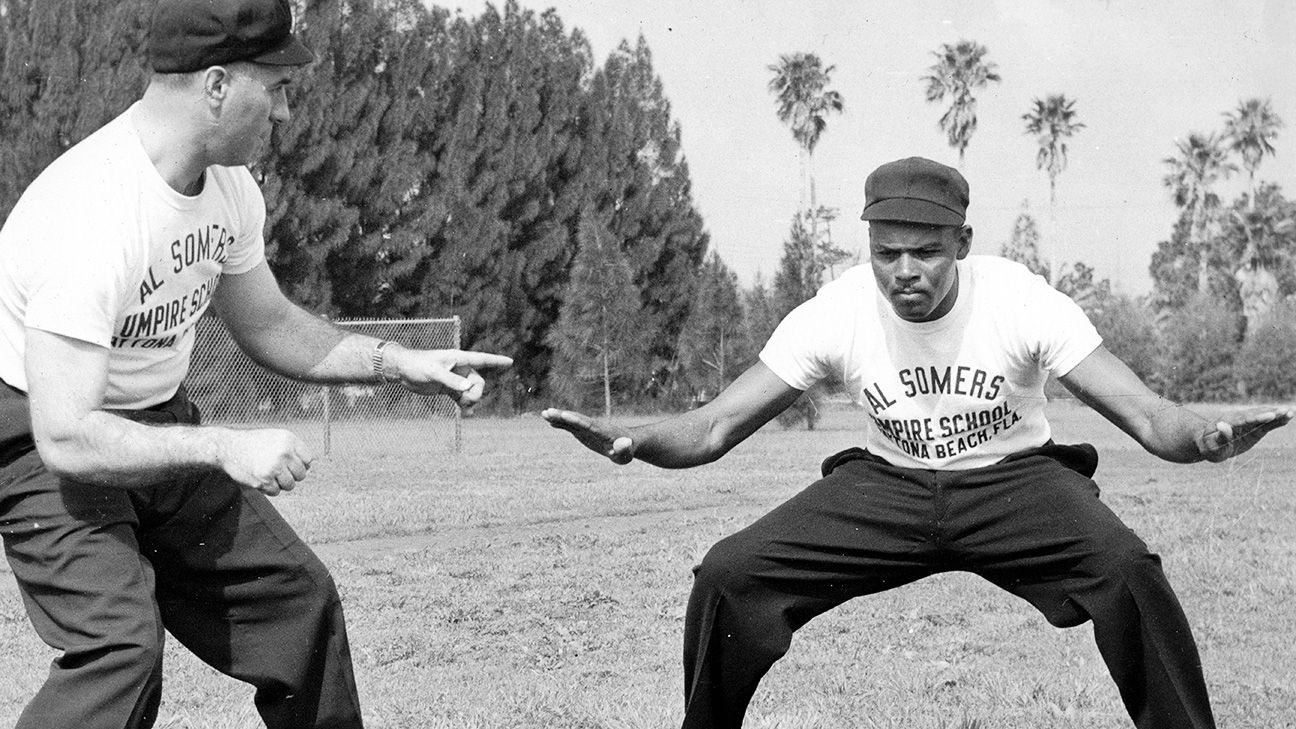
(528,584)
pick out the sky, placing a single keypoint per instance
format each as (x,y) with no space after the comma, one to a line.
(1143,73)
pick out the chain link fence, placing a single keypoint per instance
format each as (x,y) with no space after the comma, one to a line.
(231,389)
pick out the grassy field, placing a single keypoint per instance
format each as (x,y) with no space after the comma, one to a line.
(528,584)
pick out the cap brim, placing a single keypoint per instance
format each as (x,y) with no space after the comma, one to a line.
(911,210)
(292,52)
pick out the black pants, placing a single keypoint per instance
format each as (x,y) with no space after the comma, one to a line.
(1032,525)
(103,571)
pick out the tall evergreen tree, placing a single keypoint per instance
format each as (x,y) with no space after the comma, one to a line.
(760,316)
(67,67)
(345,169)
(828,255)
(713,343)
(638,177)
(499,205)
(1023,247)
(798,277)
(960,69)
(596,340)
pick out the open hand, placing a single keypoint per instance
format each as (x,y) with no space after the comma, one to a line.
(1238,432)
(610,441)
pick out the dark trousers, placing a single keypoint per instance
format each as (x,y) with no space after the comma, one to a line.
(104,571)
(1032,525)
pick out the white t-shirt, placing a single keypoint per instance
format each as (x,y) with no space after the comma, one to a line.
(960,392)
(100,249)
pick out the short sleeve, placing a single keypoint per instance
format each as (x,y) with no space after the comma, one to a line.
(800,350)
(76,282)
(1064,334)
(249,247)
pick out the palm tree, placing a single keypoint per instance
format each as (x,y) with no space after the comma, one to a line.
(1267,225)
(1250,130)
(959,70)
(800,87)
(1052,121)
(1202,161)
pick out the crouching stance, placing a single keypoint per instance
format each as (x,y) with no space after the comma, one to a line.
(122,516)
(947,355)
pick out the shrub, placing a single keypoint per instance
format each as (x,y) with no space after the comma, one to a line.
(1198,343)
(1266,363)
(1129,333)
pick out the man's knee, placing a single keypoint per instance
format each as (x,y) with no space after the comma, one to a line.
(1124,575)
(128,648)
(728,566)
(1127,559)
(323,585)
(316,594)
(1103,582)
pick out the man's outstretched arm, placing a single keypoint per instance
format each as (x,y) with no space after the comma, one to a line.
(1166,429)
(693,438)
(287,339)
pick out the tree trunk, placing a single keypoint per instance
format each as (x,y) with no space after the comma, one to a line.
(1203,255)
(607,379)
(808,170)
(813,263)
(1258,288)
(803,158)
(1049,244)
(721,360)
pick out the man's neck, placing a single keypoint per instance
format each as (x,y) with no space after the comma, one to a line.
(170,141)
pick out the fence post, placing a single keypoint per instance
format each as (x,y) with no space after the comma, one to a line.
(328,420)
(458,413)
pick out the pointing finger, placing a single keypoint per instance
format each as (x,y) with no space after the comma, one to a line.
(483,359)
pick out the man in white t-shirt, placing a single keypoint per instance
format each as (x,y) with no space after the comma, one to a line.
(118,529)
(947,355)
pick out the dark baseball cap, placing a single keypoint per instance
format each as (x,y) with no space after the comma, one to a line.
(190,35)
(916,190)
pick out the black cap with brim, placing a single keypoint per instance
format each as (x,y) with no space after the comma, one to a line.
(916,190)
(190,35)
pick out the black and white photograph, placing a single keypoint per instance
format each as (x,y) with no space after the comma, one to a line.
(598,364)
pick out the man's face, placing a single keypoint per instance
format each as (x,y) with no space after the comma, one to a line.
(914,266)
(256,100)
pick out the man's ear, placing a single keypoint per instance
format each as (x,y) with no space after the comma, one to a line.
(965,242)
(216,84)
